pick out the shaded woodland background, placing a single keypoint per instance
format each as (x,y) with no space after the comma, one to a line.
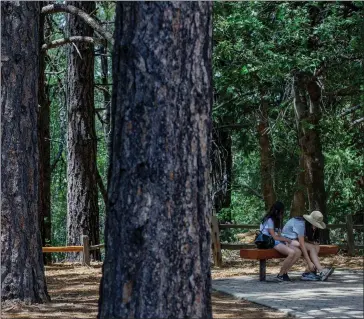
(260,52)
(287,124)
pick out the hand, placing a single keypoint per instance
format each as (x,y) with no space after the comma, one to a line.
(311,266)
(289,241)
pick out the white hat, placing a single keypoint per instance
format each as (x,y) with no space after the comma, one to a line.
(316,219)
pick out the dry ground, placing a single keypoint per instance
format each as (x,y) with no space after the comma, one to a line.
(74,290)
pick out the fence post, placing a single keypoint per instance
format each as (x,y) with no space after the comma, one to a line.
(86,250)
(350,235)
(216,246)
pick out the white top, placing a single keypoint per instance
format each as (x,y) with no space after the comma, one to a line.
(264,227)
(294,228)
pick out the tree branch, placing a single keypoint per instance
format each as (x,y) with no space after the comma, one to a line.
(101,186)
(73,39)
(58,7)
(350,110)
(357,121)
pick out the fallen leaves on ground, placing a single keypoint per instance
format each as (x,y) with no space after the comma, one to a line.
(74,290)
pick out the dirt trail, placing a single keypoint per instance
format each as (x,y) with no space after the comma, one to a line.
(74,291)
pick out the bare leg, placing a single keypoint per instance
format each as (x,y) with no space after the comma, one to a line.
(297,255)
(290,253)
(313,250)
(294,243)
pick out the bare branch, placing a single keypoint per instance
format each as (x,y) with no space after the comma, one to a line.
(58,7)
(102,88)
(350,110)
(73,39)
(357,121)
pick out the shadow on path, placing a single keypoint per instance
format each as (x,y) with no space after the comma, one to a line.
(341,296)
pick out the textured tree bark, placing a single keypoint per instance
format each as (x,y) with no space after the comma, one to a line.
(22,270)
(308,115)
(82,194)
(158,235)
(44,149)
(298,205)
(266,158)
(314,158)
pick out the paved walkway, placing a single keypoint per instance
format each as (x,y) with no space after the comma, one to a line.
(341,296)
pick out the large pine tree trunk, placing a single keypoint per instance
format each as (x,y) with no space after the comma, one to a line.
(308,115)
(157,262)
(22,270)
(44,147)
(266,158)
(82,194)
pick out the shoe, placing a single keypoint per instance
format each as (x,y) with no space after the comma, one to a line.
(310,276)
(325,273)
(286,277)
(280,278)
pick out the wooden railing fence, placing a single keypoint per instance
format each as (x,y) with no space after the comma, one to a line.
(217,246)
(84,249)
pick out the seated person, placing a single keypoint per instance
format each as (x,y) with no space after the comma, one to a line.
(309,225)
(270,226)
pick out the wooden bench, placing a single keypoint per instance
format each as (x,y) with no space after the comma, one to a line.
(263,254)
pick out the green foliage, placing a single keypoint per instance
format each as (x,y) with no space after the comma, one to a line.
(57,83)
(257,47)
(344,165)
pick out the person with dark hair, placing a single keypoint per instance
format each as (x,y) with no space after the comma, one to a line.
(304,233)
(271,224)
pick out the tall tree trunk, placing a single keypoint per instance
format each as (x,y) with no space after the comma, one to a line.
(308,115)
(314,158)
(298,206)
(107,96)
(44,148)
(82,194)
(221,169)
(158,220)
(22,270)
(266,158)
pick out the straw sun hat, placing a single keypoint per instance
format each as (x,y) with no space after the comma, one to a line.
(316,219)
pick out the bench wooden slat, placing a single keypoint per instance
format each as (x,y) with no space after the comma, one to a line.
(272,253)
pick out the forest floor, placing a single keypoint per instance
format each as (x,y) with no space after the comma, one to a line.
(74,290)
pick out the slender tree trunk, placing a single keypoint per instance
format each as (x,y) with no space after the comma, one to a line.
(308,115)
(107,97)
(221,169)
(22,270)
(314,158)
(158,243)
(266,157)
(82,195)
(44,149)
(298,206)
